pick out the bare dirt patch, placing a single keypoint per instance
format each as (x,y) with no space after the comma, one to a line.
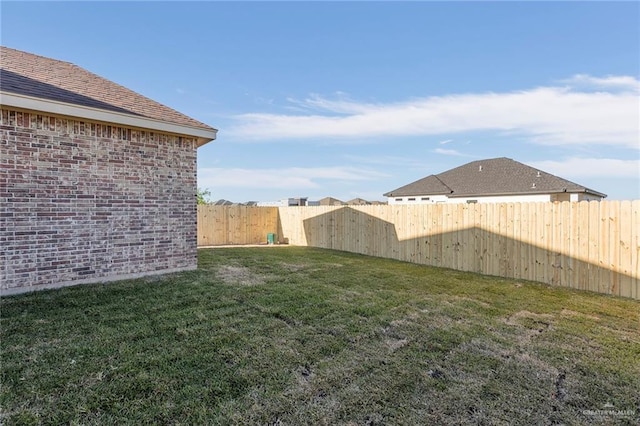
(570,313)
(395,344)
(294,267)
(239,275)
(469,299)
(516,318)
(530,324)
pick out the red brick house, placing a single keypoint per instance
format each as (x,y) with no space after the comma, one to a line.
(97,183)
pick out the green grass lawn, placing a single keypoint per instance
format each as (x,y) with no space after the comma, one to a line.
(290,336)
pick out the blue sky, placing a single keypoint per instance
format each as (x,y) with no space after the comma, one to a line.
(354,99)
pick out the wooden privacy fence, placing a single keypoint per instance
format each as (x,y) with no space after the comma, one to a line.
(587,245)
(219,225)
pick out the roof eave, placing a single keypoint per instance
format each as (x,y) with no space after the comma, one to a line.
(416,194)
(596,193)
(203,135)
(539,192)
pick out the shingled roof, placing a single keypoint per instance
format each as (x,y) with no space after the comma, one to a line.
(330,201)
(491,177)
(27,76)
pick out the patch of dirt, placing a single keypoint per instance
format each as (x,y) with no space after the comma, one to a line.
(410,318)
(326,266)
(239,275)
(293,267)
(399,322)
(395,344)
(304,377)
(628,335)
(513,319)
(527,358)
(349,295)
(520,356)
(394,338)
(538,324)
(469,299)
(567,312)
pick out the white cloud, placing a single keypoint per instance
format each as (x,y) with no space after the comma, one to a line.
(548,115)
(606,83)
(448,152)
(445,141)
(287,178)
(590,167)
(341,105)
(387,160)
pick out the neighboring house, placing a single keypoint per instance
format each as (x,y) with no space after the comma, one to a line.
(294,202)
(491,181)
(98,182)
(286,202)
(358,202)
(330,201)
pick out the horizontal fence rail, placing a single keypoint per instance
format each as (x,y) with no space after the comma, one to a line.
(591,246)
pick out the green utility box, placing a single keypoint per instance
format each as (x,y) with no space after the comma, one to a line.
(271,238)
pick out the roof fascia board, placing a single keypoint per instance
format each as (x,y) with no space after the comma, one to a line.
(450,195)
(592,192)
(95,114)
(416,194)
(541,192)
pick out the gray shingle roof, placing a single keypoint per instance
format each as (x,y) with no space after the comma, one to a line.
(27,74)
(358,201)
(330,201)
(430,185)
(496,176)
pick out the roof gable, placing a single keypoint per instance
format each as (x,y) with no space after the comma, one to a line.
(28,75)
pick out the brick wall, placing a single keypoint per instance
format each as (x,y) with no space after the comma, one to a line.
(85,202)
